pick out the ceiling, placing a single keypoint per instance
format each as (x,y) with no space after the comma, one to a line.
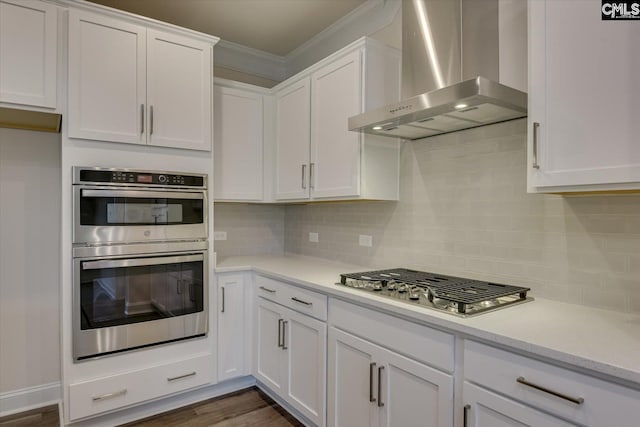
(274,26)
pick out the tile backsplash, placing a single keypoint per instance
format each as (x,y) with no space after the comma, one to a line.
(464,210)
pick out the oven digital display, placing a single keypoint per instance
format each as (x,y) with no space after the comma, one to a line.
(147,179)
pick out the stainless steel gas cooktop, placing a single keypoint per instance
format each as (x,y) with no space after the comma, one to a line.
(454,295)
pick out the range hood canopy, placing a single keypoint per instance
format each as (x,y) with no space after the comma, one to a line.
(433,50)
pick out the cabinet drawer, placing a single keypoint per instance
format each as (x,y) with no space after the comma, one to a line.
(118,391)
(602,402)
(421,343)
(303,300)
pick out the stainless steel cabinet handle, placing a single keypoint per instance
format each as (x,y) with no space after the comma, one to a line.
(179,377)
(151,120)
(280,341)
(380,404)
(222,288)
(372,366)
(535,164)
(465,412)
(304,176)
(576,400)
(136,262)
(284,335)
(110,395)
(301,301)
(271,291)
(312,167)
(141,119)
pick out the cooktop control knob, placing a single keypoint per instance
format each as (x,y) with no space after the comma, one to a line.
(162,179)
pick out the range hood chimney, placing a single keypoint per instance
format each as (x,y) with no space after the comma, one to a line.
(450,69)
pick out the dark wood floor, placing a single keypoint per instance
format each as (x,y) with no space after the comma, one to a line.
(41,417)
(245,408)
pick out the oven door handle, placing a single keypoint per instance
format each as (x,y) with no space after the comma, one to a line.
(142,194)
(136,262)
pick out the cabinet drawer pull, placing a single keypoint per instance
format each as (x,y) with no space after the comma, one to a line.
(222,309)
(284,335)
(372,366)
(280,341)
(380,404)
(271,291)
(576,400)
(301,301)
(179,377)
(312,167)
(110,395)
(535,164)
(465,413)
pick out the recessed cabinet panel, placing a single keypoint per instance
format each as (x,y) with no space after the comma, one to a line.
(231,326)
(238,144)
(270,363)
(28,48)
(583,92)
(179,91)
(107,68)
(335,151)
(292,141)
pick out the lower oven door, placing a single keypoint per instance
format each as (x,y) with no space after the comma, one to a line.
(124,303)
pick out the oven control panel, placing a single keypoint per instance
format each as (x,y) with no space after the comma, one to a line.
(146,178)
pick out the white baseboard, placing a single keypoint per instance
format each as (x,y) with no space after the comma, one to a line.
(29,398)
(167,404)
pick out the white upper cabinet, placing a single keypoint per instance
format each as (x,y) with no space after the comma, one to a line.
(318,158)
(335,151)
(238,144)
(28,53)
(179,79)
(293,106)
(583,91)
(136,85)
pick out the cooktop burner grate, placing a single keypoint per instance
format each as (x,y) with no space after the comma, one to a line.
(458,294)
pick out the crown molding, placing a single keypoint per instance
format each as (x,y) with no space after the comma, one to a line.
(366,19)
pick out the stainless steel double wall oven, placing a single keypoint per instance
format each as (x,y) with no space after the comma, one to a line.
(140,259)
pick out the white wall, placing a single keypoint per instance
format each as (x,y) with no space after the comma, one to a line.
(29,259)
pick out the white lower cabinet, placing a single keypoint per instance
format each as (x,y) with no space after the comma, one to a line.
(290,357)
(507,389)
(487,409)
(372,386)
(232,326)
(95,396)
(387,372)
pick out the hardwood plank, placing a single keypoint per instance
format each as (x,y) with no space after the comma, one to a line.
(41,417)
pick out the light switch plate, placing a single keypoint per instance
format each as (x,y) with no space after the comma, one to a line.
(219,235)
(313,237)
(365,240)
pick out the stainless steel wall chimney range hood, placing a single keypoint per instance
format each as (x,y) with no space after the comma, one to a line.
(446,46)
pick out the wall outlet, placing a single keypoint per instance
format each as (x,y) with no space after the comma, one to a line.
(313,237)
(365,240)
(219,235)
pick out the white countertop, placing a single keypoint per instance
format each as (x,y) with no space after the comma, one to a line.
(602,341)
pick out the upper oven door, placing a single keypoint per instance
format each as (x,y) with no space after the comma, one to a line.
(126,215)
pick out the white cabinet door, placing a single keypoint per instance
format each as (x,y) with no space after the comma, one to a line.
(336,94)
(292,141)
(107,69)
(237,144)
(231,326)
(28,52)
(270,361)
(414,395)
(487,409)
(583,88)
(306,343)
(179,91)
(351,397)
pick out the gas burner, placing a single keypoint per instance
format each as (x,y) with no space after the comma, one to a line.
(455,295)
